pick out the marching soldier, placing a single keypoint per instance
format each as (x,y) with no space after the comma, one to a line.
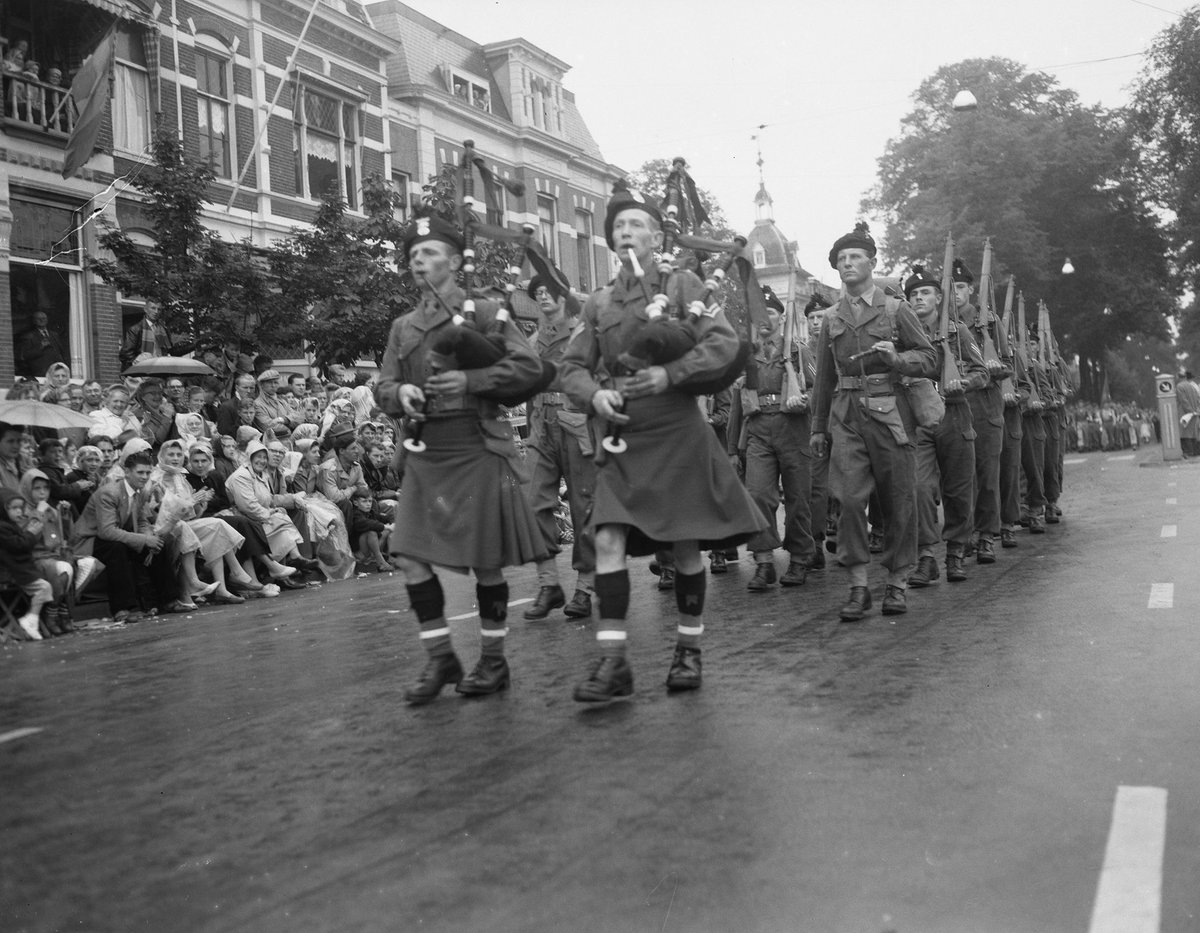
(987,415)
(1033,445)
(819,498)
(560,443)
(868,341)
(672,483)
(945,452)
(461,504)
(777,452)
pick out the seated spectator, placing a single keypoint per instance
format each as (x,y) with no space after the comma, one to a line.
(18,537)
(86,476)
(58,377)
(342,475)
(10,456)
(246,435)
(272,413)
(325,523)
(191,427)
(53,555)
(368,532)
(377,472)
(115,419)
(216,542)
(93,396)
(227,457)
(255,549)
(250,495)
(27,457)
(116,528)
(135,445)
(158,414)
(108,452)
(51,460)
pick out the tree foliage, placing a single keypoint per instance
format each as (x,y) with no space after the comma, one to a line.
(1046,179)
(209,289)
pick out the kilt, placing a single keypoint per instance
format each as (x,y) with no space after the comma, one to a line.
(461,505)
(674,482)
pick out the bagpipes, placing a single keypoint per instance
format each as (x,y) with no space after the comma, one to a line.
(671,331)
(462,346)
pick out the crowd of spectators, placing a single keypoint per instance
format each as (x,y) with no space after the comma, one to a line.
(190,490)
(1111,426)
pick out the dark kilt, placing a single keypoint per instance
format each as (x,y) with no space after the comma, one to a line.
(461,504)
(674,483)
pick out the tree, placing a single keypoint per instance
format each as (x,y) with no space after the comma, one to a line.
(1046,179)
(209,290)
(349,278)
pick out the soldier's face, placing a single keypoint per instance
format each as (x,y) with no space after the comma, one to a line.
(773,322)
(635,230)
(855,266)
(815,319)
(962,295)
(545,301)
(433,262)
(926,300)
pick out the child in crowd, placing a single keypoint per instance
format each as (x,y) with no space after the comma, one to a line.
(368,533)
(17,541)
(52,553)
(376,465)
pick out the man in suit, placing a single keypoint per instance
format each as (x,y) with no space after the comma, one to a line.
(39,348)
(228,418)
(115,529)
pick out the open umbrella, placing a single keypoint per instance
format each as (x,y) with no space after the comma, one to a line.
(169,366)
(30,413)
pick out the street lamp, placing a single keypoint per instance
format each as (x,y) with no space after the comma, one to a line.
(1067,268)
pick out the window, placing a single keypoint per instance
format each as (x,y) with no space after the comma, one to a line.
(400,183)
(585,255)
(760,256)
(495,216)
(471,90)
(212,100)
(326,141)
(131,94)
(547,222)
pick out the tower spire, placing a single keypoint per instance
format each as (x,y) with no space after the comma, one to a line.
(763,203)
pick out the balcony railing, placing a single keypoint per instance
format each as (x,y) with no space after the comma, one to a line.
(33,105)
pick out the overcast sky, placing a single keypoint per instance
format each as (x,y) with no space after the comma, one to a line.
(830,81)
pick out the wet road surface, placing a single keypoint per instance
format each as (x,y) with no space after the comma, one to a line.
(963,768)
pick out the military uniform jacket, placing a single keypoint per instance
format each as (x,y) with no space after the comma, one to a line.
(843,335)
(550,343)
(413,335)
(768,360)
(960,343)
(614,315)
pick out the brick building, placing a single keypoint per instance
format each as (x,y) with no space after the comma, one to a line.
(284,98)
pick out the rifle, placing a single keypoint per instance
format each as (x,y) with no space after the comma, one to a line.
(987,315)
(949,363)
(1008,387)
(1023,349)
(789,336)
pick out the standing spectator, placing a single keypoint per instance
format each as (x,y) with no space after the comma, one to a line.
(1189,414)
(37,348)
(149,336)
(58,377)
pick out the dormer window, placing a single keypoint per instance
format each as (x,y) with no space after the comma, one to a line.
(760,256)
(471,90)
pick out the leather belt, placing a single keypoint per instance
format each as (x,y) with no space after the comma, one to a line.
(876,384)
(552,398)
(769,398)
(449,403)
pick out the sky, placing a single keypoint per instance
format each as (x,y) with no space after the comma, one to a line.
(823,86)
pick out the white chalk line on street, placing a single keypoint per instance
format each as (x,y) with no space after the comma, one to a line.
(1162,596)
(1129,893)
(1069,460)
(15,734)
(1171,500)
(1169,531)
(471,615)
(1121,457)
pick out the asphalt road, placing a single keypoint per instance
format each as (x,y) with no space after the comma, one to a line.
(1018,754)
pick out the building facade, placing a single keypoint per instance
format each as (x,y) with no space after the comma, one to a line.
(775,258)
(284,98)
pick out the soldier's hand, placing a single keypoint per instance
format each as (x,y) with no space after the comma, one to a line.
(451,382)
(650,381)
(994,366)
(953,387)
(411,398)
(1010,398)
(797,403)
(607,404)
(820,444)
(887,350)
(1036,406)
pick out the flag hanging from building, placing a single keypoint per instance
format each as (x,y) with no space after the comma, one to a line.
(90,91)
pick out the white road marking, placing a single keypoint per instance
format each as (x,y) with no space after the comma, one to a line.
(17,734)
(1070,460)
(1162,596)
(1171,485)
(1172,501)
(471,615)
(1169,531)
(1129,893)
(1122,457)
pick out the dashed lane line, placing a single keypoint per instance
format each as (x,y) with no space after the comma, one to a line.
(1129,893)
(1069,460)
(471,615)
(1169,531)
(1121,457)
(1162,596)
(1171,500)
(15,734)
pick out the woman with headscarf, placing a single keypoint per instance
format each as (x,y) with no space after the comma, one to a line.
(363,401)
(226,456)
(217,541)
(250,494)
(339,411)
(326,523)
(87,472)
(58,377)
